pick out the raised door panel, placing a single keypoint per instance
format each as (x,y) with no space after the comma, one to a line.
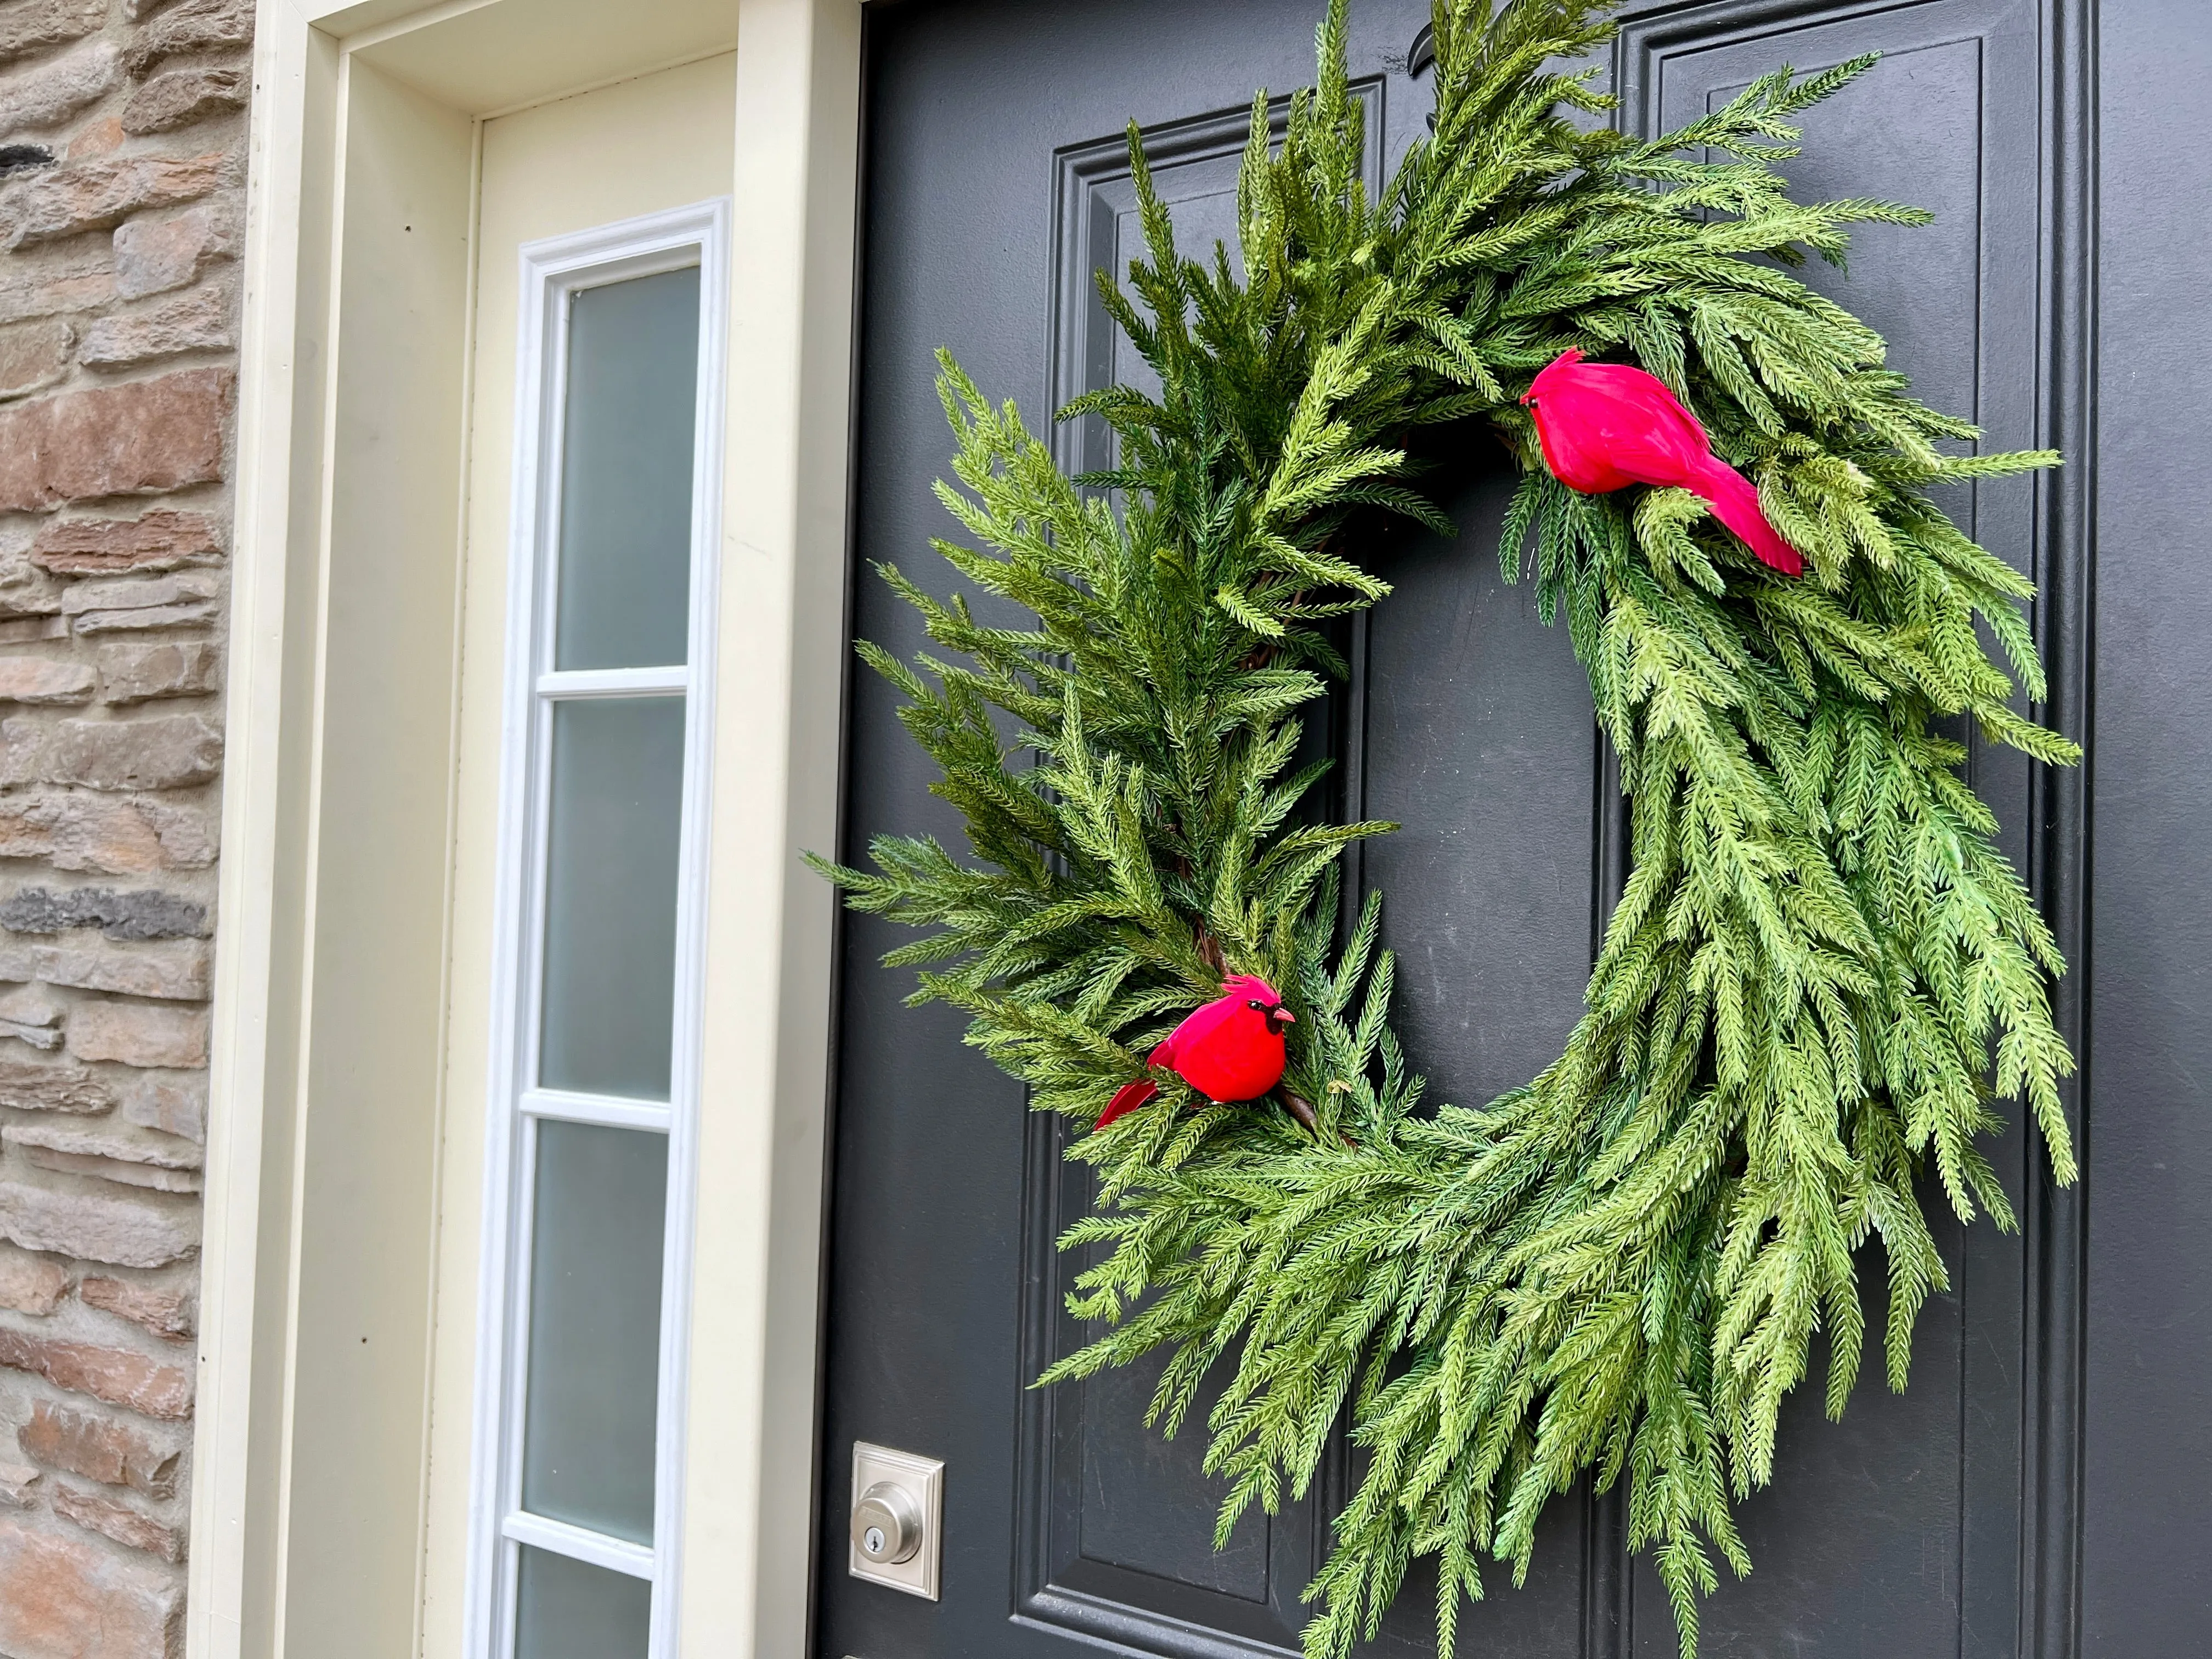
(1113,1521)
(1911,1529)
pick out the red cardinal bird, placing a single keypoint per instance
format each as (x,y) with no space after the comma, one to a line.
(1230,1049)
(1604,426)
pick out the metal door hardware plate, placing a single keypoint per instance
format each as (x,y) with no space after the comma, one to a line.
(898,1519)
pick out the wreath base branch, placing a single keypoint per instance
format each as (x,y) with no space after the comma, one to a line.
(1821,976)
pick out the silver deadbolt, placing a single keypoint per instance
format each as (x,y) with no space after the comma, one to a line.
(898,1519)
(887,1524)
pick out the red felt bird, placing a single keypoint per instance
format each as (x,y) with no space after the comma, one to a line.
(1605,426)
(1230,1049)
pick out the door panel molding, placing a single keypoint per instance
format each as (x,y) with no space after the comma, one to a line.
(1068,1576)
(2020,1542)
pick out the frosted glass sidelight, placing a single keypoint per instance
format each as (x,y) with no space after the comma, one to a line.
(625,541)
(595,1252)
(573,1610)
(616,805)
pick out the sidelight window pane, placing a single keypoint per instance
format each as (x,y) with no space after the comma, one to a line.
(595,1253)
(616,806)
(573,1610)
(625,541)
(593,1136)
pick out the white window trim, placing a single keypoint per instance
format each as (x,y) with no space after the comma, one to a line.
(551,270)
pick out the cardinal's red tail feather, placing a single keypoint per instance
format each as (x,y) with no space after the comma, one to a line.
(1737,503)
(1127,1099)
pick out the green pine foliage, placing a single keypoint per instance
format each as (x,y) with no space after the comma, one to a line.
(1820,977)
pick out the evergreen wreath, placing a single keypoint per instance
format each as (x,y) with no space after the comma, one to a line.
(1620,1267)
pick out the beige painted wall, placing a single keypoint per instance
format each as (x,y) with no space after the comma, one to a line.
(660,141)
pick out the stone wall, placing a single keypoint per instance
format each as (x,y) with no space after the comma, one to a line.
(122,145)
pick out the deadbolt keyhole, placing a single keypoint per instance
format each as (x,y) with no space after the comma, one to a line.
(887,1523)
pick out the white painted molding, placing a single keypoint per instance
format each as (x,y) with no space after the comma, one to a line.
(762,1150)
(242,1255)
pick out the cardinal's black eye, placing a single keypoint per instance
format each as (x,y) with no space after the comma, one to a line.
(1256,1004)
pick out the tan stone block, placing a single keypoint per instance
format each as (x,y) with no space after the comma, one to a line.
(137,593)
(124,1232)
(18,1484)
(27,290)
(151,1179)
(44,679)
(186,830)
(126,1526)
(166,1313)
(115,1375)
(100,834)
(64,1597)
(176,971)
(169,1153)
(195,25)
(93,195)
(199,321)
(165,1166)
(30,1284)
(180,97)
(100,1448)
(30,1015)
(128,603)
(32,355)
(29,1004)
(50,1085)
(54,90)
(161,752)
(27,591)
(159,540)
(95,139)
(139,1034)
(24,586)
(25,29)
(29,630)
(156,617)
(138,673)
(136,440)
(174,1102)
(39,1037)
(156,254)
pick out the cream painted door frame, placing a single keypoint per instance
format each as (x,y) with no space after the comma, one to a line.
(338,1139)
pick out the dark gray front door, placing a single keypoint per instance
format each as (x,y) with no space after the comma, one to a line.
(2045,1488)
